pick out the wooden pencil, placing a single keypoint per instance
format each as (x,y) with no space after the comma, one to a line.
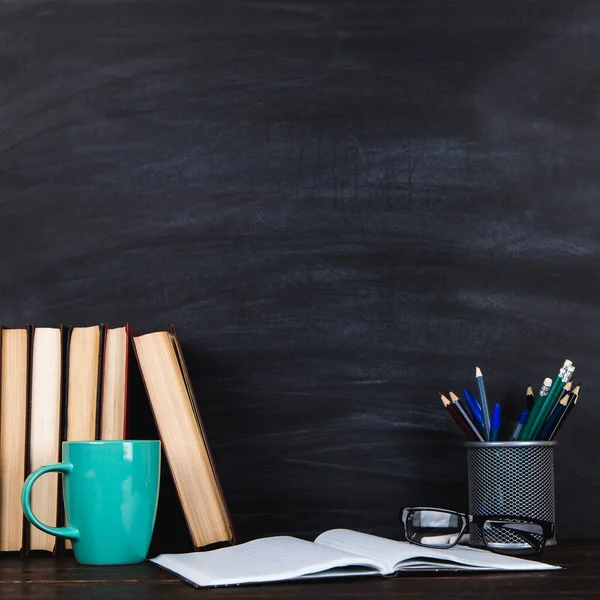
(529,399)
(570,406)
(463,413)
(456,416)
(554,418)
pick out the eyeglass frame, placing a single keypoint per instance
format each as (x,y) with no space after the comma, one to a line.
(480,520)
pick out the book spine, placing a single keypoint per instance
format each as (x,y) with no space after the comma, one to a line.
(27,467)
(67,331)
(100,372)
(127,381)
(59,505)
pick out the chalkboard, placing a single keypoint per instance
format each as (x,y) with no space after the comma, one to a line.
(343,207)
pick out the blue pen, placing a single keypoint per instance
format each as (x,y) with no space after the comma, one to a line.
(495,423)
(520,422)
(475,409)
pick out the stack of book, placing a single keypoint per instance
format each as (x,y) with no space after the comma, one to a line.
(72,383)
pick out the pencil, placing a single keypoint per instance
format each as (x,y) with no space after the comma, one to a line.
(485,409)
(539,400)
(465,416)
(564,376)
(456,416)
(529,399)
(570,406)
(564,393)
(554,418)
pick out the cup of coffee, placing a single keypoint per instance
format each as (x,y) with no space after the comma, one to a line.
(110,491)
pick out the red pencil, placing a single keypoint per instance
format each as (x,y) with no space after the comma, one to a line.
(456,416)
(462,413)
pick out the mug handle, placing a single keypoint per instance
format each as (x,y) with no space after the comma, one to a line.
(65,532)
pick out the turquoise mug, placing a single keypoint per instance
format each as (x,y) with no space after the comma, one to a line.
(110,491)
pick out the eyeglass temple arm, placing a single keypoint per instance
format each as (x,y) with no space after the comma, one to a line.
(547,526)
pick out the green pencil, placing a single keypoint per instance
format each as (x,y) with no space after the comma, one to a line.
(540,402)
(537,405)
(550,401)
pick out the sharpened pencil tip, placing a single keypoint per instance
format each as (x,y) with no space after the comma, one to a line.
(530,391)
(478,372)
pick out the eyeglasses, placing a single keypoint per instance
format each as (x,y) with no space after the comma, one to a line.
(440,528)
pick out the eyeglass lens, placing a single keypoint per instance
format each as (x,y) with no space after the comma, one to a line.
(512,537)
(434,528)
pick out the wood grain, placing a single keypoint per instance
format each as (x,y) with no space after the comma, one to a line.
(63,578)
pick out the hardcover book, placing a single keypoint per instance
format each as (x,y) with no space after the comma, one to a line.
(45,430)
(115,384)
(13,435)
(184,441)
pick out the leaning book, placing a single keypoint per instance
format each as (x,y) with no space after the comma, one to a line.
(335,553)
(182,433)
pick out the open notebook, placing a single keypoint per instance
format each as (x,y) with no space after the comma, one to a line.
(335,553)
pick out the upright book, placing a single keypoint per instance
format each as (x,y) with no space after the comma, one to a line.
(115,383)
(335,553)
(83,358)
(180,428)
(13,435)
(44,430)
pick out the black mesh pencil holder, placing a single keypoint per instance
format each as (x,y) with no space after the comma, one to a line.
(510,478)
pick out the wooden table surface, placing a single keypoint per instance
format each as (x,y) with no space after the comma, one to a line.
(51,578)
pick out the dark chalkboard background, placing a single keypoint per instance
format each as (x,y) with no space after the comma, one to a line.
(342,205)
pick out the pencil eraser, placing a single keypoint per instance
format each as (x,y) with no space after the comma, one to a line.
(547,381)
(568,363)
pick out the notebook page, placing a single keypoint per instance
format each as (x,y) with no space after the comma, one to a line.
(267,559)
(476,558)
(402,555)
(382,550)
